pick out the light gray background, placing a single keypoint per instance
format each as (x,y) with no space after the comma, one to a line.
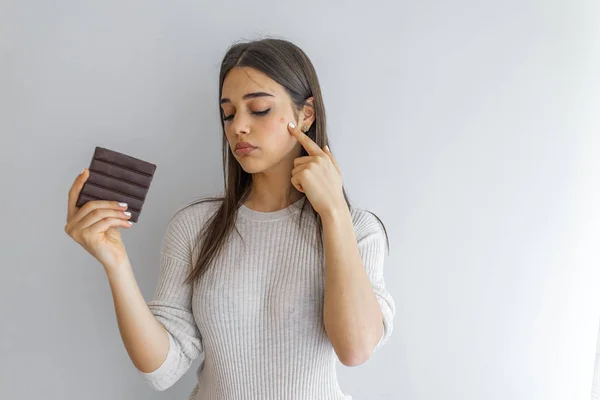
(471,128)
(596,380)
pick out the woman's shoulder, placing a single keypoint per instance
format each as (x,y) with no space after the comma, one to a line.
(199,207)
(365,222)
(192,215)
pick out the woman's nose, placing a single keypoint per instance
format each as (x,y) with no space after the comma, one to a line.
(240,125)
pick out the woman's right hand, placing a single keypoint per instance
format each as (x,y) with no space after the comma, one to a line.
(95,225)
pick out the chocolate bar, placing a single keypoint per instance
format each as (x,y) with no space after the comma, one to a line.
(118,177)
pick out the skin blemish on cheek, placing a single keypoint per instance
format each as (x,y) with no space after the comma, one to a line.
(281,120)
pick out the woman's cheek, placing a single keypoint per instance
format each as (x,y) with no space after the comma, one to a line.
(276,129)
(281,140)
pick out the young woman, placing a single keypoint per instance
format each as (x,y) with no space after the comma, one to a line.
(276,280)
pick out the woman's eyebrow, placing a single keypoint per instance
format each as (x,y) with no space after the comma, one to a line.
(248,96)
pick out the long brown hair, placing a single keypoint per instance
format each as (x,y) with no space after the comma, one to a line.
(288,65)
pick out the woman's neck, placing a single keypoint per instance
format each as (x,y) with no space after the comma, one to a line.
(270,200)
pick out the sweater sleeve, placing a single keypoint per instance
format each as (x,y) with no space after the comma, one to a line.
(371,242)
(171,306)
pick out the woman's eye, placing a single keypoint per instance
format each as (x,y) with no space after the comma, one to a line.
(265,112)
(260,113)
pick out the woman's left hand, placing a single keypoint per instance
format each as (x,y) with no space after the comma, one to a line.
(318,176)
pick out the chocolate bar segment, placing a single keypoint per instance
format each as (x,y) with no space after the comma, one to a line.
(118,177)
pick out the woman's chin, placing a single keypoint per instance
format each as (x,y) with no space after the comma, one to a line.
(250,166)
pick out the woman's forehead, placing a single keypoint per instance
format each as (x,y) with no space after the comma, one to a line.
(240,81)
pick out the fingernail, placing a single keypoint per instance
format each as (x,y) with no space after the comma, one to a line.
(127,213)
(130,223)
(123,204)
(327,147)
(291,124)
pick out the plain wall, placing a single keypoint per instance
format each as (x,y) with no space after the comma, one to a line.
(596,380)
(471,128)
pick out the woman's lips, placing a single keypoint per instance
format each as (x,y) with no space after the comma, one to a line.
(245,150)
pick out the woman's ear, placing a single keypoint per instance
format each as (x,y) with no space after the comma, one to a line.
(307,116)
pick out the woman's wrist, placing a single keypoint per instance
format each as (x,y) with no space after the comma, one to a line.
(114,270)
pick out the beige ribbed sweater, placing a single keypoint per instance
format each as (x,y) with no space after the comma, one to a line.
(256,316)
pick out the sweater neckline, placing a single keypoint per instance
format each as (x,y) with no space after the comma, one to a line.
(288,211)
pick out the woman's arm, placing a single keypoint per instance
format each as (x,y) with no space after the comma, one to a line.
(161,336)
(352,315)
(145,338)
(358,311)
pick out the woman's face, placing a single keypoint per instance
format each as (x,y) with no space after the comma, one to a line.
(256,110)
